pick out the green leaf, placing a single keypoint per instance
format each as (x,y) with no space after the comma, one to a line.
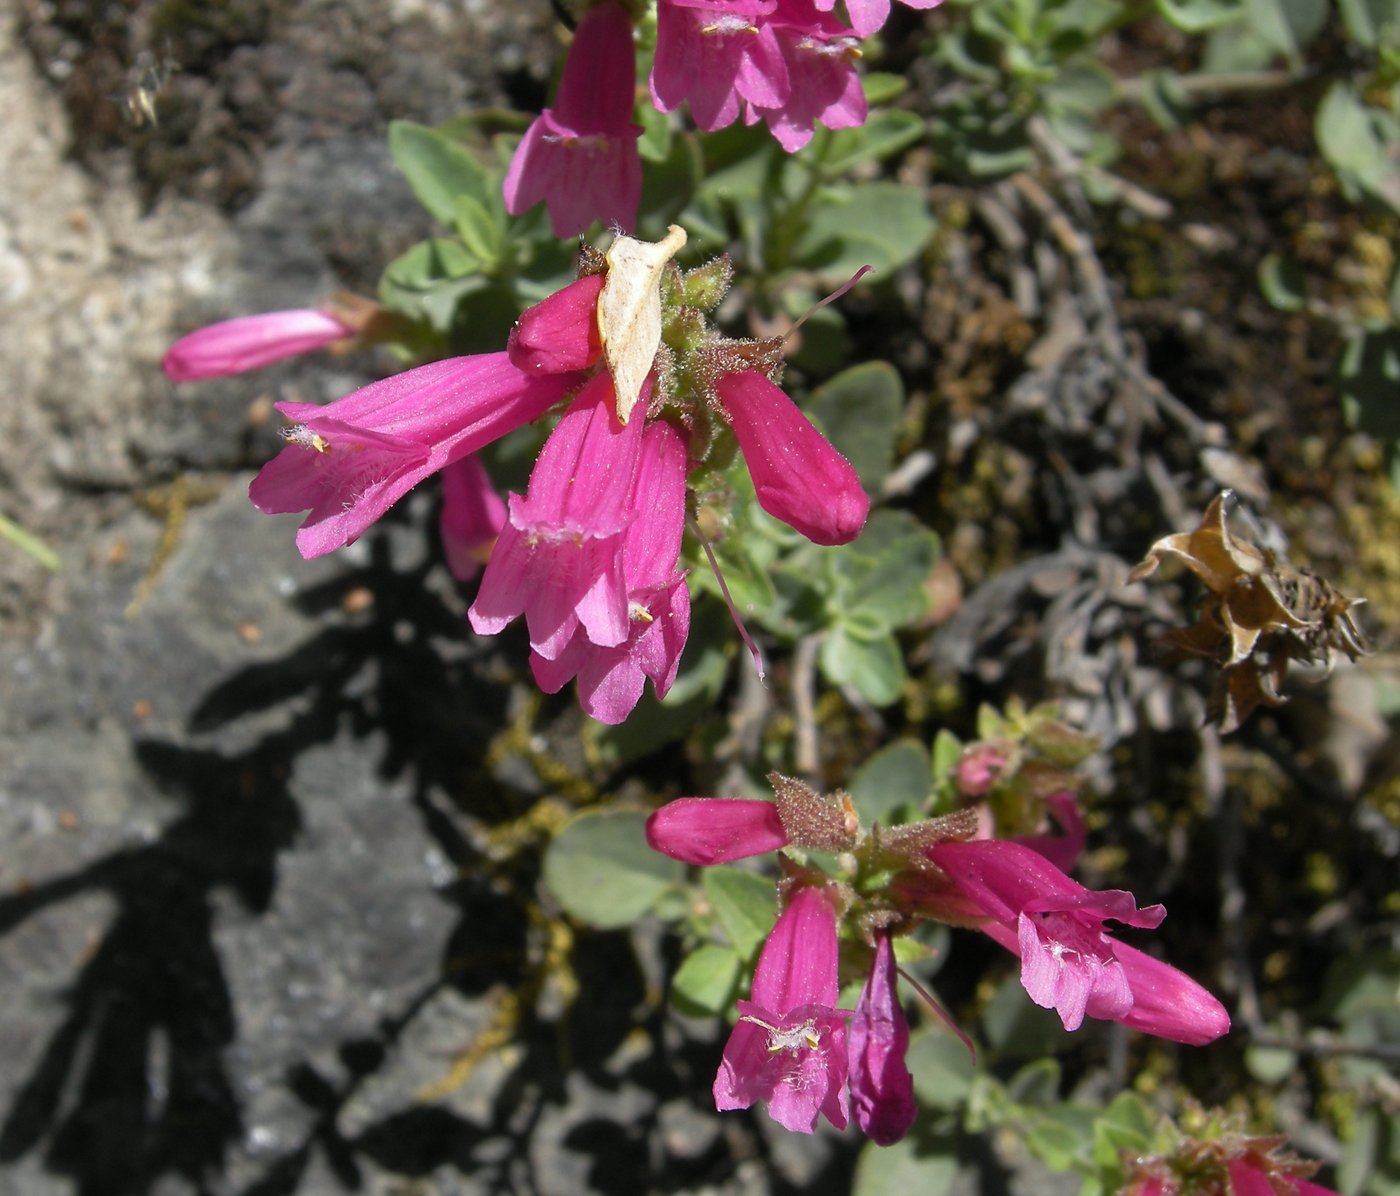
(1270,1065)
(947,751)
(859,410)
(1164,100)
(1369,374)
(1366,19)
(1286,26)
(922,1162)
(881,87)
(886,570)
(429,281)
(1036,1084)
(990,724)
(942,1067)
(875,668)
(708,979)
(1200,16)
(745,904)
(1061,1136)
(1283,282)
(884,134)
(896,777)
(602,871)
(1358,140)
(480,229)
(882,225)
(1019,1029)
(437,168)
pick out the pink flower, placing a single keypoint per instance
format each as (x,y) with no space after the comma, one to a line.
(882,1090)
(716,53)
(823,84)
(251,342)
(580,156)
(472,516)
(349,461)
(1068,962)
(869,16)
(560,333)
(979,768)
(611,678)
(559,559)
(798,476)
(1167,1003)
(1248,1180)
(789,1047)
(715,830)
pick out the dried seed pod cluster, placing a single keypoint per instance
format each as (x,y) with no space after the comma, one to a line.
(1259,613)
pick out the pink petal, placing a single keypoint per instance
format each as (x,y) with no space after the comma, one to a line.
(353,458)
(1168,1003)
(798,476)
(250,342)
(580,156)
(561,332)
(472,516)
(715,830)
(797,965)
(877,1038)
(559,560)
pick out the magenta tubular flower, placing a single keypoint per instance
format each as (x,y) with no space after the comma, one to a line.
(716,54)
(1068,962)
(580,156)
(715,830)
(797,474)
(1167,1003)
(869,16)
(1248,1180)
(349,461)
(882,1090)
(472,516)
(251,342)
(823,84)
(560,333)
(610,679)
(559,559)
(789,1047)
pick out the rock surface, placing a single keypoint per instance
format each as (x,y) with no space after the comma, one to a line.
(244,924)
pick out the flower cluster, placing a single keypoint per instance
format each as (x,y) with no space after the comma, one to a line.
(580,155)
(1211,1155)
(793,1049)
(787,63)
(590,554)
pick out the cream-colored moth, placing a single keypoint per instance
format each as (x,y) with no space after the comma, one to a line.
(629,311)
